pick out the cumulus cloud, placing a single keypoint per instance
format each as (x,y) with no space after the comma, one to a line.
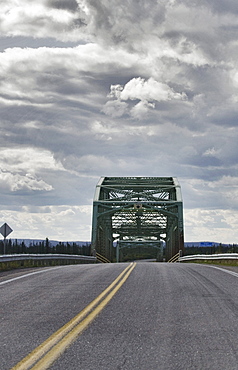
(147,92)
(17,182)
(115,108)
(141,109)
(21,169)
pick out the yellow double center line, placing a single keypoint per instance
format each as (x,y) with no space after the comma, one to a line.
(46,353)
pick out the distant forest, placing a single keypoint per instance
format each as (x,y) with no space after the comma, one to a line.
(44,247)
(216,248)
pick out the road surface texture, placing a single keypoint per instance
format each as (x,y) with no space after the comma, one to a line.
(163,316)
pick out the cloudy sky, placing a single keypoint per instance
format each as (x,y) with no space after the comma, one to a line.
(92,88)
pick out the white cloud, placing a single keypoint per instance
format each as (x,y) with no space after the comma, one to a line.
(115,108)
(64,223)
(149,90)
(27,160)
(17,182)
(42,76)
(141,109)
(210,152)
(211,225)
(213,193)
(40,20)
(20,169)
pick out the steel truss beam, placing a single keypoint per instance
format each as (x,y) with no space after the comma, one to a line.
(126,209)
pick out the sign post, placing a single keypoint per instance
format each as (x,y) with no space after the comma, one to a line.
(5,230)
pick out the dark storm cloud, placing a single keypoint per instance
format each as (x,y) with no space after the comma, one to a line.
(71,5)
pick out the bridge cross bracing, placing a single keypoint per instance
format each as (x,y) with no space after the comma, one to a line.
(133,211)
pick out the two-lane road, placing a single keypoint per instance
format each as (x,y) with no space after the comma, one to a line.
(155,316)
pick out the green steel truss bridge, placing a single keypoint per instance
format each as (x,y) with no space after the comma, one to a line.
(137,211)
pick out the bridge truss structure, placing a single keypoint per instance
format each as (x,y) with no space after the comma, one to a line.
(137,211)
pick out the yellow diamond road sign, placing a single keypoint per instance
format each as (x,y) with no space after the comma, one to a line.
(5,230)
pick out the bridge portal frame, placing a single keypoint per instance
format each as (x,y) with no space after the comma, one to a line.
(128,208)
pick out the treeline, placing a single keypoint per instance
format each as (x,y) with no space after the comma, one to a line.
(220,248)
(44,247)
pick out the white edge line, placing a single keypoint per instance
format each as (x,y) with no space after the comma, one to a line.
(31,273)
(225,270)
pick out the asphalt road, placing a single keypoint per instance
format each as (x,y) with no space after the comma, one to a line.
(164,316)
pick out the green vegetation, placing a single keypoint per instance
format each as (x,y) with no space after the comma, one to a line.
(38,263)
(215,262)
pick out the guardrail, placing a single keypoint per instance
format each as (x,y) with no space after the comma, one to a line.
(30,260)
(209,257)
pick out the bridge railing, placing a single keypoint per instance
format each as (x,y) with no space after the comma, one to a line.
(29,260)
(210,257)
